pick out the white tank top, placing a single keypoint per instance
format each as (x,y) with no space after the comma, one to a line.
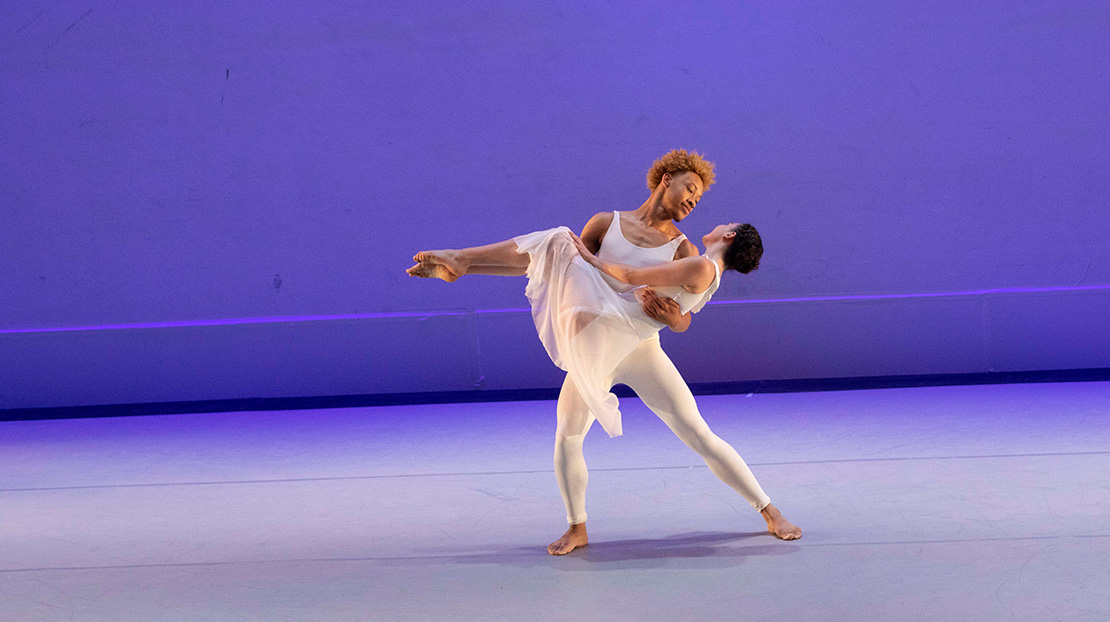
(688,301)
(617,249)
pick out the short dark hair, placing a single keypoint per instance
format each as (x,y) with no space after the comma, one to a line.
(745,251)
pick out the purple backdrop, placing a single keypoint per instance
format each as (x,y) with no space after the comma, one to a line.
(228,194)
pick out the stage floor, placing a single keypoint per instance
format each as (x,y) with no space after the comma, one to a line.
(942,503)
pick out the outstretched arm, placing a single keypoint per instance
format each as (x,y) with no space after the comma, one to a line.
(661,309)
(694,273)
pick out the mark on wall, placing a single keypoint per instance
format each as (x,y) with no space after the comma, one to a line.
(83,16)
(1090,255)
(75,22)
(277,282)
(227,76)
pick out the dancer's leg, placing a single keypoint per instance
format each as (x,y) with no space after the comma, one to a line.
(574,421)
(498,270)
(499,258)
(652,375)
(438,271)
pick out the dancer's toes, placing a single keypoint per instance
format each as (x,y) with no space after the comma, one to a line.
(779,526)
(786,531)
(574,538)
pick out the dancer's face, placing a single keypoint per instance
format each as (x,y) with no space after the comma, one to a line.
(719,233)
(682,193)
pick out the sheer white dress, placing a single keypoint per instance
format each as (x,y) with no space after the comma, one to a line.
(586,326)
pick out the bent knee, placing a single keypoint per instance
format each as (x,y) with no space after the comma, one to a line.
(564,438)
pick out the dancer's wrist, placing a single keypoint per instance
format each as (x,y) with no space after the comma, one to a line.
(680,324)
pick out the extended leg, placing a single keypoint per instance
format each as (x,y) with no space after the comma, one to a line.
(574,421)
(502,258)
(652,375)
(498,270)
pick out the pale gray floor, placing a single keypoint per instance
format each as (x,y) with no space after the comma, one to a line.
(946,503)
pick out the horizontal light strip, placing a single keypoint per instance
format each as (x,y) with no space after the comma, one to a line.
(980,292)
(459,313)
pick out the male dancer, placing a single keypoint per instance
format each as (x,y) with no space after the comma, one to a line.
(644,236)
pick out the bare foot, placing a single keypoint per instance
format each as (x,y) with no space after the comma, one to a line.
(432,271)
(572,539)
(448,258)
(779,526)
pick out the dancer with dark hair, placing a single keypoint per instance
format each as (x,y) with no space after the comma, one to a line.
(598,317)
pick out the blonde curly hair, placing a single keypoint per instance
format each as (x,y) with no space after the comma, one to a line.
(677,161)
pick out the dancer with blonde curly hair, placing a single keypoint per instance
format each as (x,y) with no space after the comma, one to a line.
(598,302)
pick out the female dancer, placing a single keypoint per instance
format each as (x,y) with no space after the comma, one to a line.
(588,328)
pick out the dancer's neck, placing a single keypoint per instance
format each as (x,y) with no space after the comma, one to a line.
(716,254)
(654,215)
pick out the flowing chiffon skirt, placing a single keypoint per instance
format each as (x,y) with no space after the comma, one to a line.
(586,326)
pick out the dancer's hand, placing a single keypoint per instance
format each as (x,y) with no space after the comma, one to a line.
(583,250)
(661,309)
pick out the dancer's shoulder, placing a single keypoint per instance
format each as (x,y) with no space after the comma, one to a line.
(686,249)
(699,271)
(601,219)
(594,231)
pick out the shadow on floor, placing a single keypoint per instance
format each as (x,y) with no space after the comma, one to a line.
(694,545)
(685,551)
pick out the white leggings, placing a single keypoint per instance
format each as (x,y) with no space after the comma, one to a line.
(651,374)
